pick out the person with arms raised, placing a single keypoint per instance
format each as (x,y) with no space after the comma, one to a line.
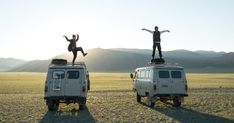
(72,47)
(156,40)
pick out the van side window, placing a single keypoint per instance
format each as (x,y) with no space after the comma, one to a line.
(73,74)
(176,74)
(142,74)
(58,75)
(138,74)
(147,73)
(163,74)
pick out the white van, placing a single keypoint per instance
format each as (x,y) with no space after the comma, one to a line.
(160,82)
(66,83)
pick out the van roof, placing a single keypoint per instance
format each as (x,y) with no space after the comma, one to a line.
(162,66)
(67,66)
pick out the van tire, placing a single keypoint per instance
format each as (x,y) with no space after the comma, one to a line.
(81,106)
(138,97)
(176,102)
(88,84)
(150,102)
(52,105)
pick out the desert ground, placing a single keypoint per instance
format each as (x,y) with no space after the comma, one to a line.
(111,99)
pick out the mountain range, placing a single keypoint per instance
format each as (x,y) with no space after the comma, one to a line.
(10,63)
(126,60)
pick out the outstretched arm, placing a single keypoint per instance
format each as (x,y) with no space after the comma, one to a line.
(148,30)
(164,31)
(77,37)
(66,38)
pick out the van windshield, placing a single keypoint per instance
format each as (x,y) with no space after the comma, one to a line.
(73,74)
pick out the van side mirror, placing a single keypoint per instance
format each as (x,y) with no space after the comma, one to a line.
(131,75)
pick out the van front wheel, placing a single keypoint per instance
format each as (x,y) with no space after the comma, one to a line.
(150,102)
(138,98)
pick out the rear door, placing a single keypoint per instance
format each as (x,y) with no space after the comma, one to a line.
(163,81)
(73,84)
(178,82)
(57,82)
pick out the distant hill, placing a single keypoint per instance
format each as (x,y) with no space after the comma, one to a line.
(210,54)
(33,66)
(9,63)
(125,60)
(225,60)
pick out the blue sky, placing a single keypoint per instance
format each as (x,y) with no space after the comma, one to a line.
(33,29)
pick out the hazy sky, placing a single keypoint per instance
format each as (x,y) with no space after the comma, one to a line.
(33,29)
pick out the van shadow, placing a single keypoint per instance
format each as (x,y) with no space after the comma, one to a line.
(72,116)
(185,115)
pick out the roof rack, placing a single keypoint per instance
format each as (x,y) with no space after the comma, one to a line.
(164,64)
(77,63)
(58,62)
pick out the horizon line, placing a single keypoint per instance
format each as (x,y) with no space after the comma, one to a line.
(117,48)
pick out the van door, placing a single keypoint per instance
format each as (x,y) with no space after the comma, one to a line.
(73,84)
(163,81)
(178,82)
(57,82)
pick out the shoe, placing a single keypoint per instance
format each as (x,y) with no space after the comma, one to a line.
(85,54)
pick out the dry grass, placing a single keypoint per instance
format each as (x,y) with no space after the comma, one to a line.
(110,81)
(210,80)
(111,100)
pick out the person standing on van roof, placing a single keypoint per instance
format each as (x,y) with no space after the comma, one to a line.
(72,47)
(156,40)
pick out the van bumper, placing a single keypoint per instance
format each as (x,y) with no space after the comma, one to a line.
(170,95)
(67,99)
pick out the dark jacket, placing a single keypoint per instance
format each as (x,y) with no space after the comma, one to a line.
(156,36)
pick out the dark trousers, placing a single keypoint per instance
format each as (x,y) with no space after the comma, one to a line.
(74,51)
(159,49)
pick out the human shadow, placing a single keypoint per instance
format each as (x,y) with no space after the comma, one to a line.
(186,115)
(73,116)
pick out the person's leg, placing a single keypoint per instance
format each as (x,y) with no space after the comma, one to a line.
(81,49)
(154,47)
(74,56)
(159,50)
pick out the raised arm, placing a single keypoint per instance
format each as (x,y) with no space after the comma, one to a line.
(148,30)
(77,37)
(164,31)
(66,38)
